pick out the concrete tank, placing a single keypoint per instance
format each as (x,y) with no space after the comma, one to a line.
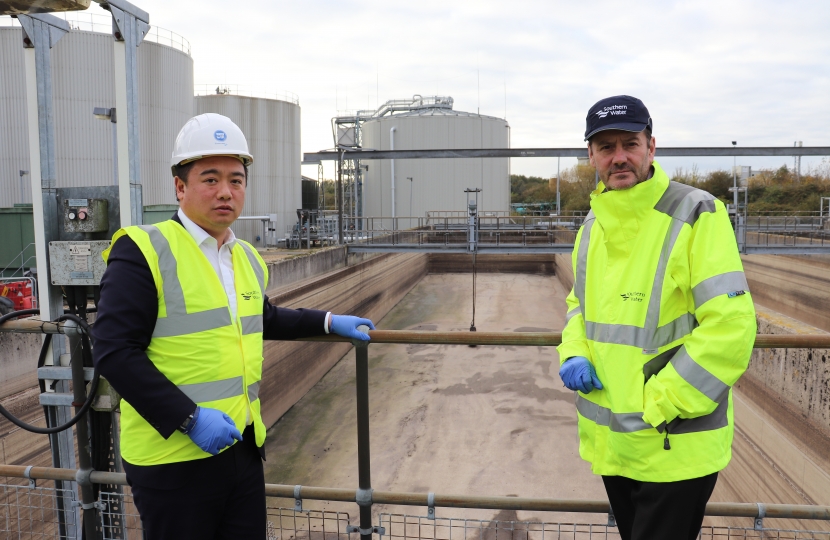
(272,127)
(82,78)
(437,184)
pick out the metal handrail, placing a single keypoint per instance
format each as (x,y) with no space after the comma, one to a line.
(750,510)
(416,337)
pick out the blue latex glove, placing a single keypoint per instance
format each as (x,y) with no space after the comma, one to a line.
(578,374)
(346,326)
(213,431)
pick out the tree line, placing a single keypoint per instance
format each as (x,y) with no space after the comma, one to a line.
(769,190)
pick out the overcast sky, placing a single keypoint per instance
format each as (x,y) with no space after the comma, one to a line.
(709,71)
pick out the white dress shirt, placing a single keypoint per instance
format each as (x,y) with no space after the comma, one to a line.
(222,261)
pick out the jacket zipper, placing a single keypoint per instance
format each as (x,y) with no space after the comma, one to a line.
(666,444)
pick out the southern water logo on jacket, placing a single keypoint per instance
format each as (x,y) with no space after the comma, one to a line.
(633,296)
(251,295)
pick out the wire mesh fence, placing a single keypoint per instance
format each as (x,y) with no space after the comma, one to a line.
(37,512)
(28,512)
(406,527)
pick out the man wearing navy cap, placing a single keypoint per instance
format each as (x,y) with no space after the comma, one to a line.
(660,325)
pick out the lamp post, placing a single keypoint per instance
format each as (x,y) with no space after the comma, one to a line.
(558,209)
(103,113)
(735,185)
(23,186)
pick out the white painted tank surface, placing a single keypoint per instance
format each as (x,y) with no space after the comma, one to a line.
(82,79)
(272,127)
(437,184)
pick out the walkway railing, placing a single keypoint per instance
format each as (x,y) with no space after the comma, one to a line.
(365,496)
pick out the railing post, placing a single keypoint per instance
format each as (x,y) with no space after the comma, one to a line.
(364,493)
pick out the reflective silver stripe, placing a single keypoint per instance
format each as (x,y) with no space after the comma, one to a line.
(619,422)
(717,285)
(628,422)
(582,261)
(632,422)
(253,391)
(252,258)
(572,313)
(643,338)
(715,420)
(653,313)
(190,323)
(697,376)
(214,390)
(171,286)
(685,203)
(251,324)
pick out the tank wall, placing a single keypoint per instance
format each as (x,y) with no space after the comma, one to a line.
(437,184)
(272,128)
(83,78)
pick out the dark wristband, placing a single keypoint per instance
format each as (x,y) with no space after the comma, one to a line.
(189,422)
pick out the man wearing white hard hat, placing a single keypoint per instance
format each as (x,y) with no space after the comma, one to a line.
(181,320)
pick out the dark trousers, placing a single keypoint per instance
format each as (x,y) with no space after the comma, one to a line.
(220,497)
(658,511)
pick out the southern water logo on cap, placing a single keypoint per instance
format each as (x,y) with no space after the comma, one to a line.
(220,135)
(613,110)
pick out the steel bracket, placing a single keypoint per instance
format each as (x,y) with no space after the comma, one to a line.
(431,505)
(759,519)
(298,501)
(374,530)
(612,521)
(27,474)
(363,497)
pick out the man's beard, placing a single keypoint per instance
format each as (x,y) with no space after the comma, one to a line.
(640,176)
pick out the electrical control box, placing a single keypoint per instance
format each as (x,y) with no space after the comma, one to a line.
(85,215)
(77,263)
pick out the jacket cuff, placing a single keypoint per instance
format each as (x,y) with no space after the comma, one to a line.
(657,407)
(573,348)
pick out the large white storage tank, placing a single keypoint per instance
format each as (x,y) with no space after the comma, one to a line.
(272,128)
(83,78)
(437,184)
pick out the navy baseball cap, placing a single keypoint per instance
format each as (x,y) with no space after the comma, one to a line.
(625,113)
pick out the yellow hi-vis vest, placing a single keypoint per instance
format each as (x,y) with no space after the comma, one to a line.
(661,307)
(214,360)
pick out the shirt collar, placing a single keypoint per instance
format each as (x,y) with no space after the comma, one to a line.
(200,236)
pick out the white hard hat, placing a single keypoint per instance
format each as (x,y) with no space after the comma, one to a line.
(210,134)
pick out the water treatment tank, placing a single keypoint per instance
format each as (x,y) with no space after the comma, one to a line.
(83,78)
(437,184)
(272,128)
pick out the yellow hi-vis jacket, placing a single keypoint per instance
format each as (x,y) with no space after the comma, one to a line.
(661,307)
(214,360)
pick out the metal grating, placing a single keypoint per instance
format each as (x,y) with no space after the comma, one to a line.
(119,517)
(289,524)
(405,527)
(31,512)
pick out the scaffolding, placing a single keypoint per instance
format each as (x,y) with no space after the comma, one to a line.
(348,136)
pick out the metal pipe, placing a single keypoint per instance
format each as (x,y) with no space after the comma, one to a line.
(536,339)
(750,510)
(392,131)
(364,465)
(90,514)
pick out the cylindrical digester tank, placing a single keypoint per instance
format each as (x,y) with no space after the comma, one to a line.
(82,79)
(437,184)
(272,128)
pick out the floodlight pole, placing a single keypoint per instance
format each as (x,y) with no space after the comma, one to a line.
(40,33)
(129,26)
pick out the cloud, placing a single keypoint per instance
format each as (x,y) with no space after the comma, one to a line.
(709,71)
